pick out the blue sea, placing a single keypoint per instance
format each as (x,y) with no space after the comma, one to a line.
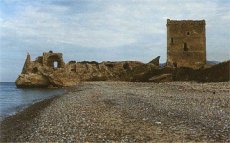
(13,99)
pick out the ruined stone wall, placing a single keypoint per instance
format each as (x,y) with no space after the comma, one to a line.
(42,73)
(186,43)
(49,58)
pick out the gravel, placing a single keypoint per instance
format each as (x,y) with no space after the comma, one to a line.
(133,112)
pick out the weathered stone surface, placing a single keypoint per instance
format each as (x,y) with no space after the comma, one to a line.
(186,43)
(62,78)
(215,73)
(44,73)
(27,64)
(32,80)
(162,78)
(155,61)
(62,75)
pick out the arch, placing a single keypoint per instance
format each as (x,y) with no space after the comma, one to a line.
(54,61)
(55,64)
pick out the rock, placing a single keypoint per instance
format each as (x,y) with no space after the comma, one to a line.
(50,70)
(62,79)
(161,78)
(155,61)
(26,64)
(158,123)
(32,80)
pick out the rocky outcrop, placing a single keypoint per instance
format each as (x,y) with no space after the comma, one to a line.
(155,61)
(27,64)
(161,78)
(32,80)
(50,70)
(215,73)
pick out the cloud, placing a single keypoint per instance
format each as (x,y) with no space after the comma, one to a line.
(107,24)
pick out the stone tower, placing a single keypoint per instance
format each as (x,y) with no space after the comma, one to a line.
(186,43)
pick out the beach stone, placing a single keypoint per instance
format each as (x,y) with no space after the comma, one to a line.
(162,78)
(129,112)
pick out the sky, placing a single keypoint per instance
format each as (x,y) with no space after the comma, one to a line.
(103,30)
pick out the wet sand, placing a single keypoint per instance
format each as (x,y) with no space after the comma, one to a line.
(127,112)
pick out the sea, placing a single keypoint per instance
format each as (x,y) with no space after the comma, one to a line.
(13,99)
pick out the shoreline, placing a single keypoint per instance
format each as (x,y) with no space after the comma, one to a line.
(21,119)
(125,111)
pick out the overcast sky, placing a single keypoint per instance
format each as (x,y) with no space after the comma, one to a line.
(103,30)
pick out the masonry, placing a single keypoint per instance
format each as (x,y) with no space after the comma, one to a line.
(186,43)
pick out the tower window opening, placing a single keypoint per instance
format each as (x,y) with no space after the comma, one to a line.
(185,47)
(175,64)
(188,33)
(171,40)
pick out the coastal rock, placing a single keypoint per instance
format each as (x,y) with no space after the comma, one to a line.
(62,78)
(50,70)
(32,80)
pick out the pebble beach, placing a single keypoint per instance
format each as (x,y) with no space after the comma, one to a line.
(127,112)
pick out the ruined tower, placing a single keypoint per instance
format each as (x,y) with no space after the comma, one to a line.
(53,60)
(186,43)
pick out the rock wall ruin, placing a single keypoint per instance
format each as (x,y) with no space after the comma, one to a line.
(43,72)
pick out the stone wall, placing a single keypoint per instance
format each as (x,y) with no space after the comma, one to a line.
(49,59)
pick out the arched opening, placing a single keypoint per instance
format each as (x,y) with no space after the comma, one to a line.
(54,61)
(55,64)
(185,47)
